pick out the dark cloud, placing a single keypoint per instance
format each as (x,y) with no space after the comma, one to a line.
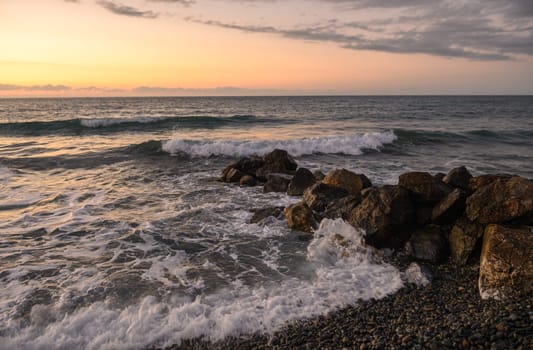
(477,30)
(48,87)
(125,10)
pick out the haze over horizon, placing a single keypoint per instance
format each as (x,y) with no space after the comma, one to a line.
(265,47)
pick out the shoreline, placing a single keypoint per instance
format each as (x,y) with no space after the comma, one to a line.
(446,314)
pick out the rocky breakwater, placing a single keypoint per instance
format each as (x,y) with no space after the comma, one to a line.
(454,217)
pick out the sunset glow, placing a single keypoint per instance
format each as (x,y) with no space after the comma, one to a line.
(106,48)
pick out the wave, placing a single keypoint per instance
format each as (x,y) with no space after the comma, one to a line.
(353,144)
(103,125)
(421,137)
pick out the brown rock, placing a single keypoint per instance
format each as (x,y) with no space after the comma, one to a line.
(423,187)
(386,214)
(477,182)
(353,183)
(502,201)
(302,179)
(459,178)
(232,175)
(263,213)
(506,264)
(277,183)
(319,176)
(300,217)
(277,161)
(423,214)
(342,208)
(428,244)
(248,180)
(450,208)
(463,239)
(320,195)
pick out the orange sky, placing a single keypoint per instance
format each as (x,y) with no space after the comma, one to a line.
(88,48)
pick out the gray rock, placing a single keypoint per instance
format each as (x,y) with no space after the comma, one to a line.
(277,161)
(302,179)
(428,244)
(277,183)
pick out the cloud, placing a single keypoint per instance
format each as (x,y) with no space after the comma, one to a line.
(185,3)
(476,30)
(48,87)
(217,91)
(125,10)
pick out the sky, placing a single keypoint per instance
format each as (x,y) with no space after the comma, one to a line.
(265,47)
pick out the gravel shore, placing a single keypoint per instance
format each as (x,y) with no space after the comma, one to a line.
(447,314)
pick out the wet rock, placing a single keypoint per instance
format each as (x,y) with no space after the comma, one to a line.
(351,182)
(342,208)
(386,214)
(423,214)
(302,179)
(277,161)
(277,183)
(248,180)
(263,213)
(244,166)
(423,187)
(232,175)
(300,217)
(464,239)
(506,264)
(320,195)
(428,244)
(319,176)
(450,208)
(459,178)
(477,182)
(501,201)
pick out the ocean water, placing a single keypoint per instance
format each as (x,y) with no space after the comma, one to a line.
(108,243)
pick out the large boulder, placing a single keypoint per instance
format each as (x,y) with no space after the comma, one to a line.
(300,217)
(244,166)
(260,215)
(277,161)
(477,182)
(353,183)
(277,182)
(320,195)
(386,214)
(459,178)
(423,187)
(464,238)
(502,200)
(302,179)
(506,264)
(342,208)
(449,208)
(428,244)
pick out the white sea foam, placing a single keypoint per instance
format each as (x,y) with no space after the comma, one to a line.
(102,122)
(343,269)
(345,144)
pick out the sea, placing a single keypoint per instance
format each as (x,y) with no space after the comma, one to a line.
(115,232)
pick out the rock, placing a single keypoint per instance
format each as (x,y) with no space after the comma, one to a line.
(277,161)
(428,244)
(439,176)
(506,264)
(418,275)
(302,179)
(263,213)
(477,182)
(319,176)
(502,200)
(450,208)
(249,165)
(423,187)
(342,208)
(277,183)
(386,214)
(300,217)
(459,178)
(463,239)
(320,195)
(232,175)
(423,214)
(248,180)
(353,183)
